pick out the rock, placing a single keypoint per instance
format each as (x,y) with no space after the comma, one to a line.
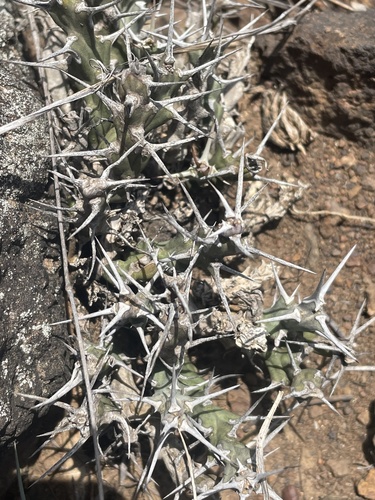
(370,295)
(326,67)
(363,417)
(33,357)
(366,487)
(339,467)
(290,492)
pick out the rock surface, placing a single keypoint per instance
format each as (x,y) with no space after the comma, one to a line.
(366,487)
(33,357)
(327,66)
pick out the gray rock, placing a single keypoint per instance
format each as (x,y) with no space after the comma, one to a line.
(33,357)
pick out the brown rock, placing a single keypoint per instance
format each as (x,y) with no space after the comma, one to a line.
(339,467)
(366,487)
(353,192)
(326,66)
(363,417)
(370,295)
(290,492)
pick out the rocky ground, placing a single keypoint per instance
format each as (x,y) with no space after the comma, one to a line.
(331,454)
(320,69)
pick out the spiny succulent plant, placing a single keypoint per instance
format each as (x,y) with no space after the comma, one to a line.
(159,113)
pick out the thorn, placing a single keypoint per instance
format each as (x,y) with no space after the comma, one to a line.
(294,315)
(288,299)
(321,289)
(331,338)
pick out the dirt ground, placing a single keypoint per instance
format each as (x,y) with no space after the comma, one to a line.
(328,456)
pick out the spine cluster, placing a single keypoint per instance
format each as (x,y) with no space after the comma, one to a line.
(159,115)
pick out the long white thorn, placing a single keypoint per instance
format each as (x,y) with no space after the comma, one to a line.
(322,288)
